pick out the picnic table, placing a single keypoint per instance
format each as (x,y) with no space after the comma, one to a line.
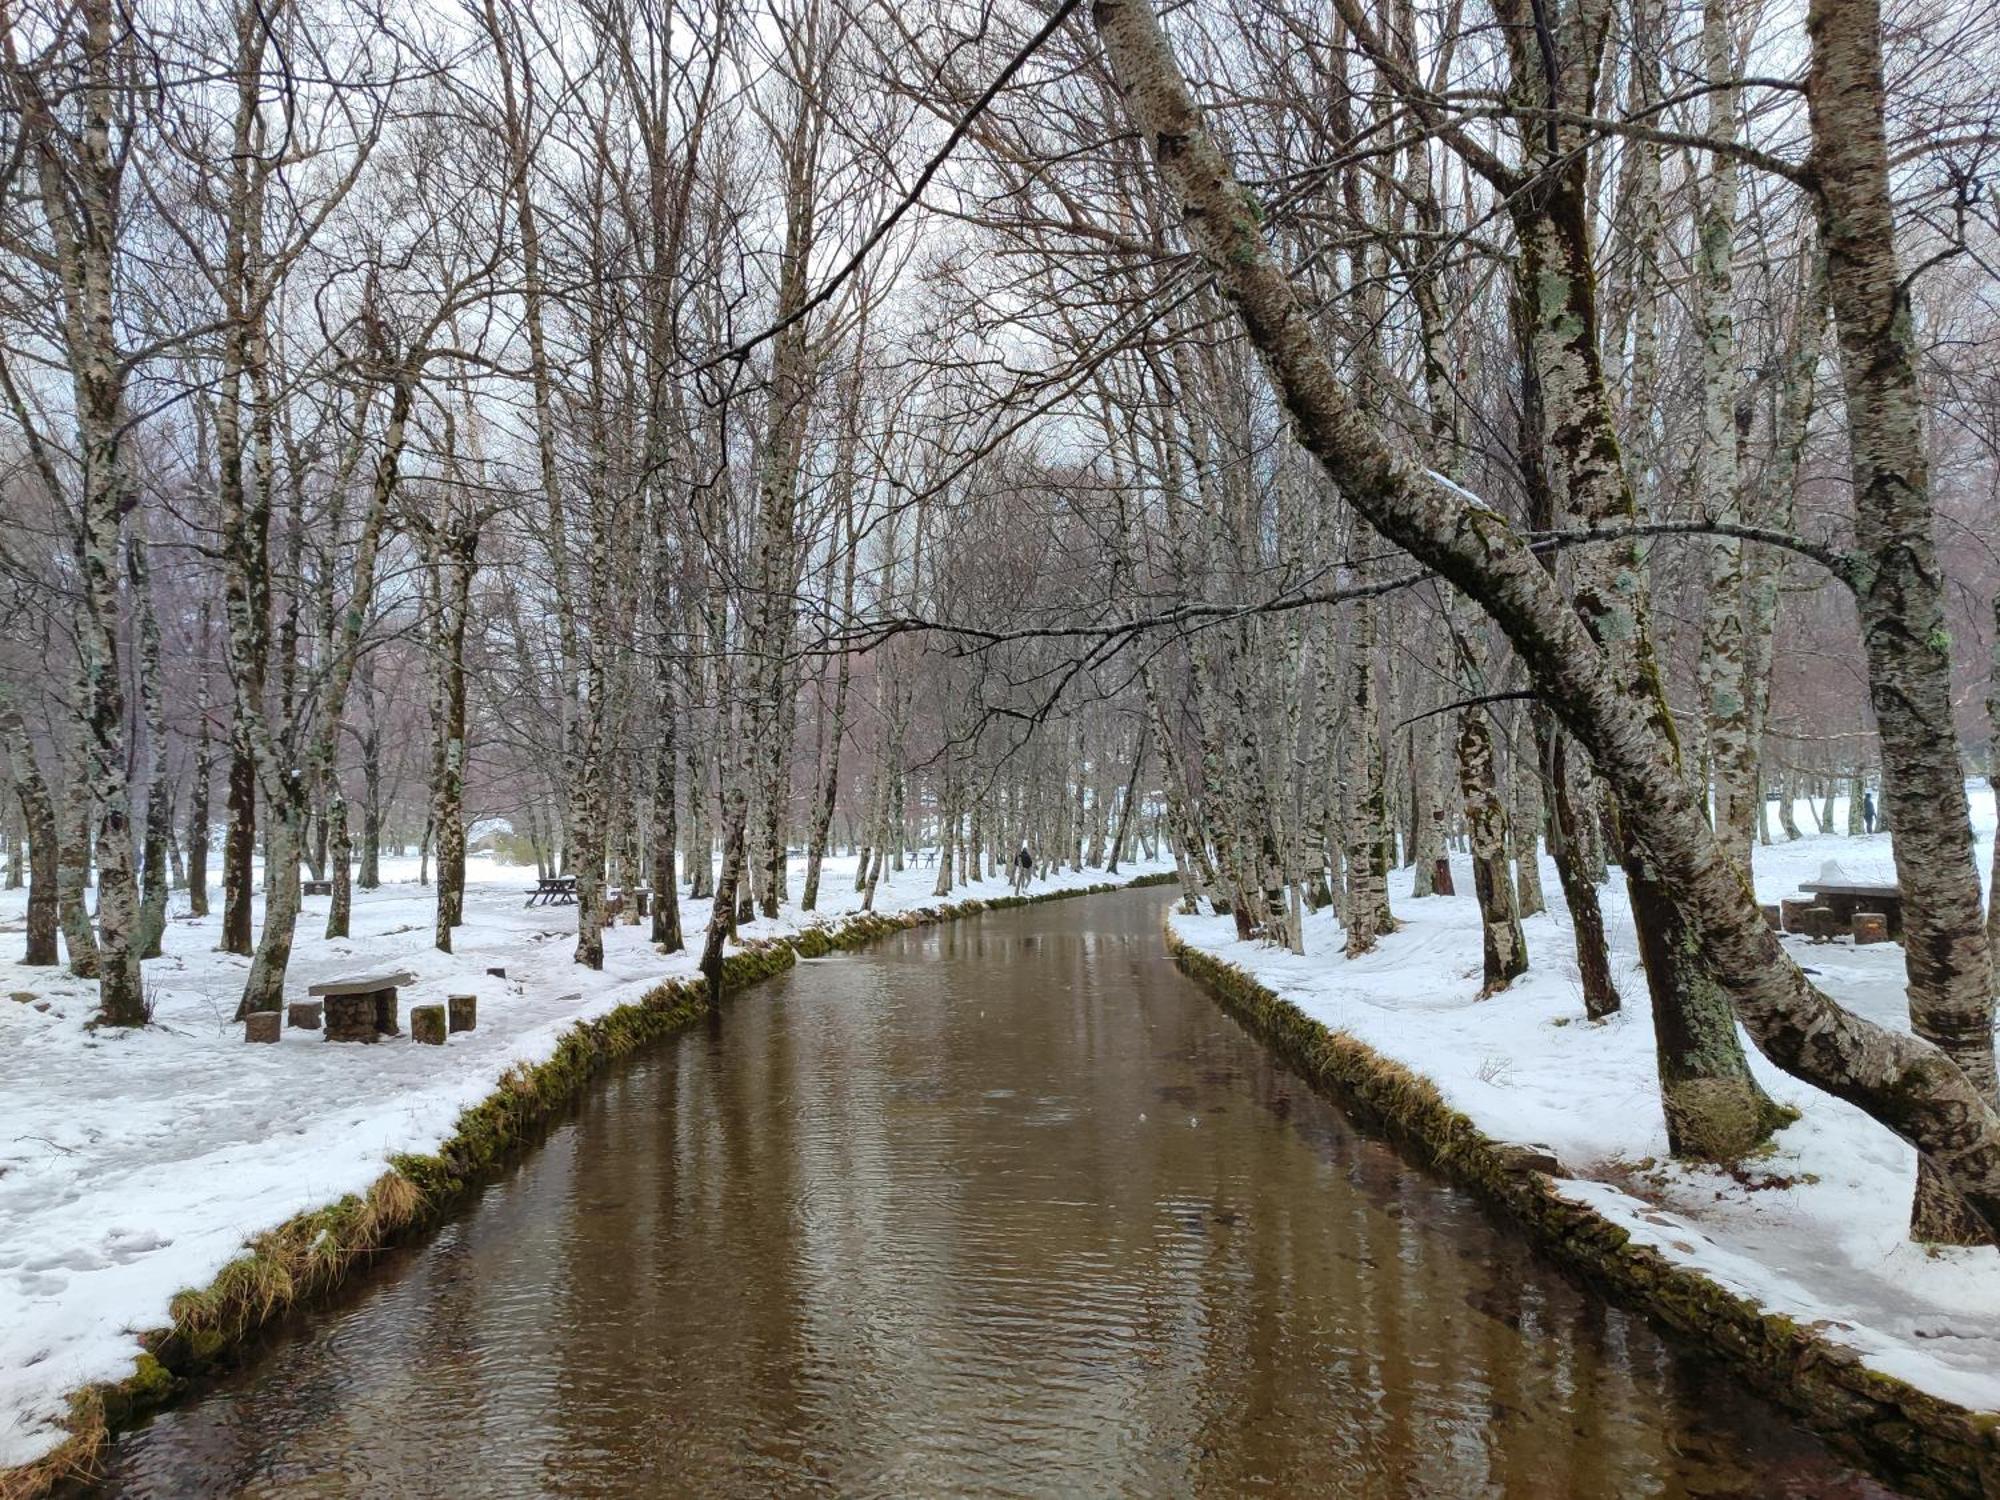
(1844,898)
(554,890)
(362,1009)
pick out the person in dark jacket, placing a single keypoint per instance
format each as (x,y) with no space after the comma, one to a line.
(1022,867)
(1867,812)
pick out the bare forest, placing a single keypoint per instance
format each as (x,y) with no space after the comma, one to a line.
(672,443)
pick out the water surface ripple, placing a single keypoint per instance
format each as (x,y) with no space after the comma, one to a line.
(1004,1207)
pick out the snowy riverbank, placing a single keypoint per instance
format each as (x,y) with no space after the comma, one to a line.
(136,1164)
(1815,1231)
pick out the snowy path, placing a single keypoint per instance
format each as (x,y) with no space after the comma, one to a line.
(1816,1231)
(136,1164)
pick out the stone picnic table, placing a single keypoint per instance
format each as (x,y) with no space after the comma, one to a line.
(362,1009)
(1847,898)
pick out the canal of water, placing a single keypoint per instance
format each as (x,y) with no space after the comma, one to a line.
(1001,1207)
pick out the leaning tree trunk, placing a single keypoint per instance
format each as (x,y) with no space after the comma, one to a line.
(1900,588)
(38,815)
(284,825)
(1903,1082)
(1714,1108)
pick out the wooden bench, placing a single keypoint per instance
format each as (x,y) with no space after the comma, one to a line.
(361,1009)
(316,887)
(556,890)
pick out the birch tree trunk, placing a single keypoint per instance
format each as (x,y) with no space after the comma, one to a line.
(829,778)
(1900,590)
(1368,915)
(459,543)
(38,816)
(159,806)
(1504,949)
(73,875)
(78,172)
(1992,781)
(201,778)
(1714,1108)
(1723,676)
(295,765)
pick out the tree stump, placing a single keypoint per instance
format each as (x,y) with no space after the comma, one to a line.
(498,971)
(641,900)
(261,1026)
(427,1024)
(1792,914)
(305,1014)
(462,1011)
(1821,924)
(1870,927)
(1774,917)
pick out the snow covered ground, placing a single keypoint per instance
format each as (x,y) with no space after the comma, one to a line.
(1815,1231)
(134,1164)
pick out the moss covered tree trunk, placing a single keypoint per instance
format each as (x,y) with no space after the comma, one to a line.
(1900,587)
(1714,1108)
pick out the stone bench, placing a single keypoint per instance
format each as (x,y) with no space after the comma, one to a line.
(361,1009)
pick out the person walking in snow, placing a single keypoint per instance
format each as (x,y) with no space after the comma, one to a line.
(1867,812)
(1023,867)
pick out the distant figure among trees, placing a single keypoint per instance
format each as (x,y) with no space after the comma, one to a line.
(1023,867)
(1867,812)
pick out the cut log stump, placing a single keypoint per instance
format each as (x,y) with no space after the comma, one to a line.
(261,1026)
(1792,914)
(1821,925)
(462,1011)
(1870,927)
(307,1015)
(1774,917)
(498,972)
(427,1024)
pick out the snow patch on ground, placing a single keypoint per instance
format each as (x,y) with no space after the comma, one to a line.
(136,1164)
(1815,1231)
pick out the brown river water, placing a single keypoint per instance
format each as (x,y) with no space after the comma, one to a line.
(1003,1207)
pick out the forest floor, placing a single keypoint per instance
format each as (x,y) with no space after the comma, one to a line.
(134,1164)
(1816,1229)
